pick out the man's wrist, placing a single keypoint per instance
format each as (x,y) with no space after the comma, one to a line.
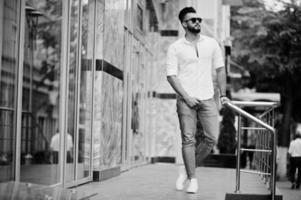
(186,98)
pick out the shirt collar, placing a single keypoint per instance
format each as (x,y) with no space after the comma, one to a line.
(188,42)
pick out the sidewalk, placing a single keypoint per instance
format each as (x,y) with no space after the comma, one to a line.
(288,194)
(157,181)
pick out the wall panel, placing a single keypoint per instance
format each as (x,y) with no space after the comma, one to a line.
(113,32)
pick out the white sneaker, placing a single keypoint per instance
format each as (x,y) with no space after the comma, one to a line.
(193,186)
(181,178)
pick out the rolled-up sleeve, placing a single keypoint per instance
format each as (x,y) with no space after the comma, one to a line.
(218,59)
(171,61)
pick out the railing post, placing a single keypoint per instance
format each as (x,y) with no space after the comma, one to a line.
(237,188)
(273,187)
(274,157)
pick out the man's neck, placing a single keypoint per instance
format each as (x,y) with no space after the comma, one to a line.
(192,37)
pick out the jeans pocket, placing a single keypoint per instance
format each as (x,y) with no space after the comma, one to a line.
(183,108)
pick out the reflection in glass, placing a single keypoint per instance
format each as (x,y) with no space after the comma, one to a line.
(9,24)
(85,101)
(73,57)
(138,151)
(40,144)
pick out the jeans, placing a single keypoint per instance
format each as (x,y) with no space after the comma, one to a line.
(205,113)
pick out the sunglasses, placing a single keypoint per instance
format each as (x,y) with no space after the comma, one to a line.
(194,19)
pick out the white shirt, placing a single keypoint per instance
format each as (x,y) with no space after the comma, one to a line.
(55,142)
(295,148)
(194,68)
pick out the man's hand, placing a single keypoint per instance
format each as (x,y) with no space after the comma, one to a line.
(224,99)
(192,101)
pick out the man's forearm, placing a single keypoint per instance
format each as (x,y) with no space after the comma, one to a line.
(221,80)
(176,85)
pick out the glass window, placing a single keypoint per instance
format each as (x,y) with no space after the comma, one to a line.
(9,10)
(139,18)
(40,134)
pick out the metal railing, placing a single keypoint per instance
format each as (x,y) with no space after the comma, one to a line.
(265,142)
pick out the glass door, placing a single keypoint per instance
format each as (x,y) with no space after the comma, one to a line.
(70,160)
(9,33)
(127,103)
(78,148)
(85,103)
(137,136)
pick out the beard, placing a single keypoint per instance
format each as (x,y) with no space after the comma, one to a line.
(193,29)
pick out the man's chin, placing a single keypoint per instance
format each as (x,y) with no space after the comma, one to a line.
(195,30)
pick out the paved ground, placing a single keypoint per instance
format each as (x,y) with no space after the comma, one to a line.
(288,194)
(157,181)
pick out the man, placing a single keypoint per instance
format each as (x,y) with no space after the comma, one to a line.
(189,64)
(294,151)
(55,147)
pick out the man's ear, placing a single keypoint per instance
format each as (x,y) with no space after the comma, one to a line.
(184,24)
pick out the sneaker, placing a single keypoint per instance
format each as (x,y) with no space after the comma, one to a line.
(180,183)
(193,186)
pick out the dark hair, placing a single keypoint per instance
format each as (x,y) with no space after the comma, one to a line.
(298,135)
(184,11)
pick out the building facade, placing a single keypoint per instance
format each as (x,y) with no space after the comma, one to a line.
(83,89)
